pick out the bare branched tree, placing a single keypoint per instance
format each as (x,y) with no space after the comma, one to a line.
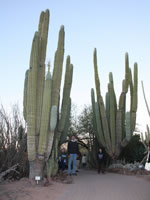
(13,145)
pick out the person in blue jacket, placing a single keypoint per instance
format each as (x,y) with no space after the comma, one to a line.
(62,160)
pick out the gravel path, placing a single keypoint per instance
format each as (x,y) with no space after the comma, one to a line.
(89,185)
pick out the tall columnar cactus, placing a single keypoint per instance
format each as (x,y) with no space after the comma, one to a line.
(147,133)
(113,126)
(41,99)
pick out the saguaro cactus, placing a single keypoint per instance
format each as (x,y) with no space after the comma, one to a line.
(41,98)
(114,127)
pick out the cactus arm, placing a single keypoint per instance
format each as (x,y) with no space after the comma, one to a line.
(148,110)
(127,71)
(134,102)
(25,95)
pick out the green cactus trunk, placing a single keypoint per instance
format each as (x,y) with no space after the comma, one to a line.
(41,101)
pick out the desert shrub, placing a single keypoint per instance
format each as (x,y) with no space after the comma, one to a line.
(13,142)
(134,151)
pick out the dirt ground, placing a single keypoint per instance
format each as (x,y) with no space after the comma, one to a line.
(23,190)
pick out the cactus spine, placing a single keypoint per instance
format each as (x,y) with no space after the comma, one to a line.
(117,125)
(41,99)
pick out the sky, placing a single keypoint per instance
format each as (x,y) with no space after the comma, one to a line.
(113,27)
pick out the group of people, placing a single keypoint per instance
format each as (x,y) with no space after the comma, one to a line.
(75,158)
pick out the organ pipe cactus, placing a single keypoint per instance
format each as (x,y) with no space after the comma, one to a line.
(113,126)
(41,99)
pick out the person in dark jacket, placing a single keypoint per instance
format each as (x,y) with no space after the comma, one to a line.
(73,150)
(101,161)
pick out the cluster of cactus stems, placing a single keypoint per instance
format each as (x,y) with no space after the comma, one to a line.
(113,125)
(45,124)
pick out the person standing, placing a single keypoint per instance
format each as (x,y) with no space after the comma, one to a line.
(101,161)
(84,161)
(73,150)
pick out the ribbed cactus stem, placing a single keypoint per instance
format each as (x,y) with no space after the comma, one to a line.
(121,112)
(32,100)
(94,113)
(107,105)
(41,21)
(128,126)
(99,134)
(43,29)
(58,65)
(112,112)
(67,124)
(131,90)
(127,77)
(66,95)
(147,134)
(45,117)
(134,102)
(135,88)
(53,122)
